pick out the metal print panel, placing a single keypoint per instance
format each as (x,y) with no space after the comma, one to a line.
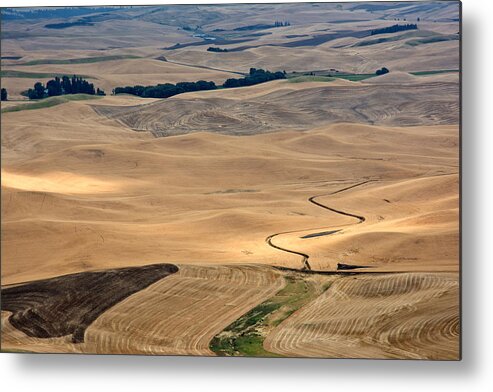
(268,180)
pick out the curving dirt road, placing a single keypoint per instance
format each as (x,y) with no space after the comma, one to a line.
(305,257)
(306,264)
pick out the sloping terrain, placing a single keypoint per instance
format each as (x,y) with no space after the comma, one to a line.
(389,226)
(425,103)
(179,316)
(390,316)
(91,194)
(67,305)
(317,37)
(110,74)
(313,216)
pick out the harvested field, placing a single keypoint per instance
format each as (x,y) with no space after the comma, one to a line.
(312,216)
(178,315)
(419,103)
(68,304)
(47,102)
(14,340)
(412,315)
(164,199)
(245,337)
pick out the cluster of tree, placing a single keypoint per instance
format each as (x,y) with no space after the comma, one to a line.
(394,29)
(165,90)
(259,26)
(281,24)
(253,27)
(65,85)
(382,71)
(255,76)
(66,25)
(219,50)
(4,94)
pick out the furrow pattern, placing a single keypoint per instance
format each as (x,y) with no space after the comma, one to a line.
(410,315)
(181,316)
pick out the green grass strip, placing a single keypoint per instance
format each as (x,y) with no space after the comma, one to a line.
(434,39)
(10,73)
(328,77)
(84,60)
(14,350)
(439,71)
(49,102)
(354,77)
(309,78)
(245,336)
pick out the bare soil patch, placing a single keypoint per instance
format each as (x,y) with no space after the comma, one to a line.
(67,305)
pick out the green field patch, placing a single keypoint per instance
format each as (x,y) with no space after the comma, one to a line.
(84,60)
(354,77)
(49,102)
(311,78)
(10,73)
(326,76)
(245,336)
(14,350)
(410,34)
(435,72)
(434,39)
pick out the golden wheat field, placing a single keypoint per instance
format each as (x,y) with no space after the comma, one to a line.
(247,185)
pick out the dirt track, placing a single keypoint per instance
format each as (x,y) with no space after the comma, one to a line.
(305,257)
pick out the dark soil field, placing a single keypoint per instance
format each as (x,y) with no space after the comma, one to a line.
(67,305)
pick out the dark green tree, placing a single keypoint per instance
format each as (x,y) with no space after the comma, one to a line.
(66,85)
(382,71)
(394,29)
(4,94)
(54,87)
(255,76)
(214,49)
(37,92)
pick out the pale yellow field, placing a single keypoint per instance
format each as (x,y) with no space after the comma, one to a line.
(125,198)
(175,316)
(411,316)
(229,183)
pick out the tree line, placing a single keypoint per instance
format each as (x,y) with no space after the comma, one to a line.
(277,23)
(394,29)
(167,90)
(63,86)
(282,24)
(65,25)
(255,76)
(214,49)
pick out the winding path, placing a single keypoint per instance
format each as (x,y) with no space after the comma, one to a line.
(304,256)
